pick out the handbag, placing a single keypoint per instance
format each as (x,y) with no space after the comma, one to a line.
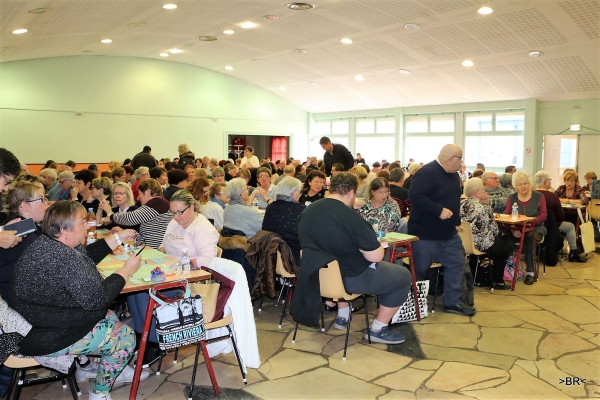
(180,322)
(509,270)
(224,292)
(209,292)
(586,230)
(407,311)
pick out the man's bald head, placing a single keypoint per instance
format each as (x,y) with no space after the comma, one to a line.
(450,157)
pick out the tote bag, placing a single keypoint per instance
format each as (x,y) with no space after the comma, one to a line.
(407,311)
(586,229)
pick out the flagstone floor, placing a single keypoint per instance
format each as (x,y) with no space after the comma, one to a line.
(524,344)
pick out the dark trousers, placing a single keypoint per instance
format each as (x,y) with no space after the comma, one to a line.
(499,252)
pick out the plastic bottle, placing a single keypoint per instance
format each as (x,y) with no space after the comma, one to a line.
(90,238)
(91,222)
(255,203)
(514,215)
(184,260)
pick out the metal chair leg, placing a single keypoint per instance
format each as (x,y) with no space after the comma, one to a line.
(347,332)
(296,330)
(175,357)
(237,354)
(367,319)
(437,277)
(194,372)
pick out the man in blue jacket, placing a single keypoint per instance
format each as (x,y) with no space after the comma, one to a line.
(434,217)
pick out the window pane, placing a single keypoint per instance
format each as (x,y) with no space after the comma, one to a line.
(343,141)
(416,124)
(568,153)
(322,128)
(340,127)
(365,126)
(315,148)
(512,121)
(442,123)
(478,123)
(494,151)
(425,148)
(386,125)
(376,149)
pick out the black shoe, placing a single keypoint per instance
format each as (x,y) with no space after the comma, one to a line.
(330,309)
(460,309)
(575,257)
(500,286)
(529,280)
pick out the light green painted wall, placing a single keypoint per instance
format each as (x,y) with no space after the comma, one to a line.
(126,103)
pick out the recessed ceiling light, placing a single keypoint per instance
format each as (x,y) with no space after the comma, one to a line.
(271,17)
(403,71)
(301,51)
(19,31)
(248,25)
(485,10)
(207,38)
(313,83)
(359,77)
(411,26)
(170,6)
(106,41)
(346,40)
(228,67)
(38,10)
(257,60)
(535,54)
(300,6)
(164,54)
(175,51)
(228,32)
(467,63)
(135,24)
(282,88)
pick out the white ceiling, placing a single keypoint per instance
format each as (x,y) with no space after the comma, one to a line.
(566,31)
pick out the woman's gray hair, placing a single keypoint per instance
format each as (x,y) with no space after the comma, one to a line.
(186,198)
(472,186)
(183,148)
(540,177)
(519,176)
(506,180)
(289,185)
(235,187)
(127,189)
(61,216)
(48,173)
(218,171)
(141,170)
(66,175)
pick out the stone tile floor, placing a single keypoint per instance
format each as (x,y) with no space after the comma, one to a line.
(520,345)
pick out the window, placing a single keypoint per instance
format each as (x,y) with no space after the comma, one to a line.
(426,135)
(376,148)
(416,124)
(442,123)
(512,121)
(341,127)
(568,153)
(425,148)
(336,130)
(365,126)
(386,125)
(478,122)
(322,128)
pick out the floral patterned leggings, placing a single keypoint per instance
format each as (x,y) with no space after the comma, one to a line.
(113,341)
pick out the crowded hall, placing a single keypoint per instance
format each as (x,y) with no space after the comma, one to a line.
(328,199)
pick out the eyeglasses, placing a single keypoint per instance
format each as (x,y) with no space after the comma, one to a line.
(206,191)
(523,184)
(263,176)
(6,180)
(40,200)
(179,213)
(382,193)
(61,182)
(119,194)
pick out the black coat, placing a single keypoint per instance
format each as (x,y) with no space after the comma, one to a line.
(143,159)
(340,155)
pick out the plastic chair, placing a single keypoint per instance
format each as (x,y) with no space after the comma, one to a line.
(289,282)
(20,364)
(332,287)
(593,210)
(466,236)
(219,252)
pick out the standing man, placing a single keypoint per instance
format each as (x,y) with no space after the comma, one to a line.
(434,217)
(335,153)
(359,255)
(144,159)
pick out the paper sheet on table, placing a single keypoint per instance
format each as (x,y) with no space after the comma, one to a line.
(394,236)
(142,274)
(149,253)
(102,231)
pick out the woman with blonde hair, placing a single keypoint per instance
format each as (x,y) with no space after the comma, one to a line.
(412,169)
(570,192)
(361,174)
(186,157)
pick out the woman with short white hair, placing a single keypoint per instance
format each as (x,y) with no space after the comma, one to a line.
(238,215)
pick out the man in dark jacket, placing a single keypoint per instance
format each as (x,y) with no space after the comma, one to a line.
(144,159)
(335,153)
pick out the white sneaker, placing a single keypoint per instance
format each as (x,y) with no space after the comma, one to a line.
(100,396)
(82,374)
(126,376)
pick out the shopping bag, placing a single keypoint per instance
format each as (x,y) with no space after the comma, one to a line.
(407,311)
(586,229)
(509,270)
(209,291)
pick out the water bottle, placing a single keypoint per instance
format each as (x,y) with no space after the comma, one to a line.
(91,223)
(255,203)
(184,260)
(514,215)
(90,238)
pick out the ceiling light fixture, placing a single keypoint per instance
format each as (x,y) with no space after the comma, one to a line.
(135,24)
(535,54)
(175,51)
(228,67)
(313,84)
(207,38)
(19,31)
(403,71)
(411,27)
(467,63)
(106,41)
(283,89)
(248,25)
(164,54)
(346,40)
(301,51)
(271,17)
(38,10)
(170,6)
(359,77)
(485,10)
(228,32)
(257,60)
(575,127)
(300,6)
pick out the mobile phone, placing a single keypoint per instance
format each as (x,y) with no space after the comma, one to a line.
(138,253)
(22,227)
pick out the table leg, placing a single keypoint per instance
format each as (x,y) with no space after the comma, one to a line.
(415,289)
(142,349)
(518,263)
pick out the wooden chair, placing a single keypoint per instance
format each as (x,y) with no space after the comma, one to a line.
(289,282)
(20,364)
(332,287)
(593,210)
(219,252)
(466,236)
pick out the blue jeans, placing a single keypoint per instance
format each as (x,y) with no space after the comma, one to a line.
(451,255)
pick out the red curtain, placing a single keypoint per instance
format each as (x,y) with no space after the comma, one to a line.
(278,148)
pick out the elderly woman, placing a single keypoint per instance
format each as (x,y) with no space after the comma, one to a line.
(381,209)
(486,236)
(313,188)
(531,204)
(49,176)
(543,184)
(59,291)
(140,174)
(361,174)
(67,192)
(282,214)
(186,157)
(589,177)
(218,175)
(571,192)
(463,172)
(230,171)
(218,194)
(266,192)
(506,181)
(238,215)
(99,193)
(249,160)
(245,174)
(122,201)
(200,189)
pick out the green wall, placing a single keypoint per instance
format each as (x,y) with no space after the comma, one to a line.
(126,103)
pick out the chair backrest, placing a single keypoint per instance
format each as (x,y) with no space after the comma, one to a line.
(280,270)
(219,251)
(593,209)
(332,287)
(466,235)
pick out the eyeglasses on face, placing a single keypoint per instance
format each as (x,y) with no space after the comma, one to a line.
(63,181)
(119,194)
(263,176)
(380,193)
(6,180)
(180,212)
(40,200)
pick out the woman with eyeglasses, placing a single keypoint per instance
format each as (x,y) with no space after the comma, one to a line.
(381,209)
(122,201)
(67,192)
(266,192)
(200,189)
